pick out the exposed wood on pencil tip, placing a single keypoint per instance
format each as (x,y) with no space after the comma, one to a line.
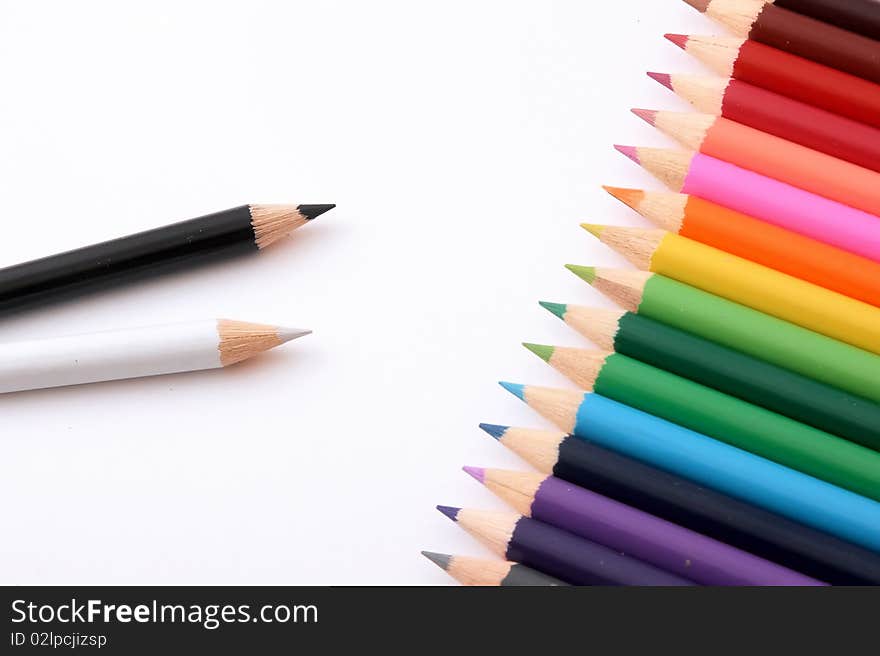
(629,197)
(663,78)
(241,340)
(649,116)
(678,39)
(440,560)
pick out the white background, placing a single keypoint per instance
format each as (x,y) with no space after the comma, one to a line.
(464,142)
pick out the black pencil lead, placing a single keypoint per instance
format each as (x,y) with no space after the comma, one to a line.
(314,211)
(440,560)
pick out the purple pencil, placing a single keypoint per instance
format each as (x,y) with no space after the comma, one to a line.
(556,552)
(638,534)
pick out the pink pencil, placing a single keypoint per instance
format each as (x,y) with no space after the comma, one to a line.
(764,198)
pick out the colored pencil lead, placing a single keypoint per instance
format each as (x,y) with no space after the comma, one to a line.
(314,211)
(440,560)
(494,430)
(629,151)
(556,308)
(593,229)
(585,273)
(629,197)
(678,39)
(478,473)
(543,352)
(699,5)
(450,512)
(289,334)
(649,116)
(663,78)
(515,389)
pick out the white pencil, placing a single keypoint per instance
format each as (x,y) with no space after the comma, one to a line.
(134,353)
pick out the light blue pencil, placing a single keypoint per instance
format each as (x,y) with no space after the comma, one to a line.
(709,462)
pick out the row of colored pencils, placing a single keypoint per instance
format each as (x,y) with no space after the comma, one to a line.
(726,431)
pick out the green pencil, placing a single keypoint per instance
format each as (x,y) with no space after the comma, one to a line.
(743,376)
(726,418)
(740,328)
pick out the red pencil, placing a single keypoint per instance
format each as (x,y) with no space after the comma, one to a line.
(778,115)
(787,74)
(800,35)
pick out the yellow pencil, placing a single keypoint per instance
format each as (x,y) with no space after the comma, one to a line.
(747,283)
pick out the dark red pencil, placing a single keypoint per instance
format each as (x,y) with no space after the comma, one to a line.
(776,114)
(787,74)
(806,37)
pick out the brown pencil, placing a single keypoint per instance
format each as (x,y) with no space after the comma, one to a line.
(777,27)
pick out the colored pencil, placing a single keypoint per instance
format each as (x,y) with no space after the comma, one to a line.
(495,573)
(245,229)
(135,353)
(769,200)
(777,27)
(556,552)
(740,328)
(721,416)
(753,285)
(732,372)
(860,16)
(755,240)
(772,156)
(790,75)
(682,502)
(779,115)
(628,530)
(706,461)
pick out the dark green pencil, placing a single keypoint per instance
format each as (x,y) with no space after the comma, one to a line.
(788,393)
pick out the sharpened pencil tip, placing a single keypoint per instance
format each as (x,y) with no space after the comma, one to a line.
(542,351)
(289,334)
(478,473)
(649,116)
(559,309)
(678,39)
(440,560)
(630,151)
(663,78)
(494,430)
(585,273)
(593,229)
(450,512)
(517,390)
(630,197)
(699,5)
(314,211)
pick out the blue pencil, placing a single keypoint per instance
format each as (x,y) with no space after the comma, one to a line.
(709,462)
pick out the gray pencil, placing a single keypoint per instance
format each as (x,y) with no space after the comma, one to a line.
(478,572)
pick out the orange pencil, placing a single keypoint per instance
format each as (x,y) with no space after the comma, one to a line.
(772,156)
(764,243)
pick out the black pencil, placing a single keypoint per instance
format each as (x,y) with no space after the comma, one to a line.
(479,572)
(245,229)
(682,502)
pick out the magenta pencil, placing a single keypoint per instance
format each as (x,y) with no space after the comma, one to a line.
(764,198)
(631,531)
